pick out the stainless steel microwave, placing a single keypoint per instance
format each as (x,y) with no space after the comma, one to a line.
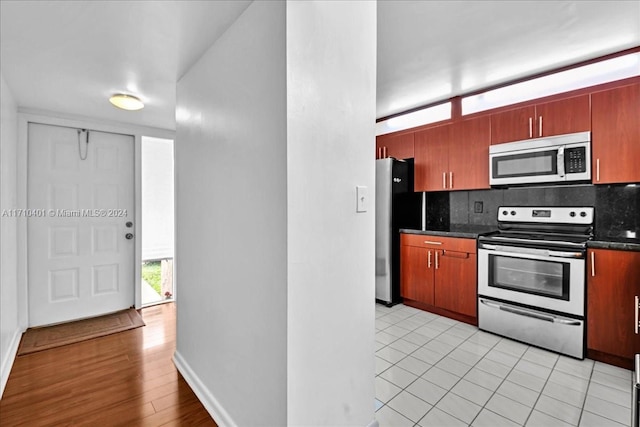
(541,160)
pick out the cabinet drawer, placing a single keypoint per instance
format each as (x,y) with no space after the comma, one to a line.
(439,242)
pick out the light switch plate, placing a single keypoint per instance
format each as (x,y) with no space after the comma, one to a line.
(362,199)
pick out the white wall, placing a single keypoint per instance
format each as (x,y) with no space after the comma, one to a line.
(231,222)
(157,198)
(331,98)
(275,267)
(10,330)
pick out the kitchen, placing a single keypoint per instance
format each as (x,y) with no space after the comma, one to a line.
(534,239)
(280,304)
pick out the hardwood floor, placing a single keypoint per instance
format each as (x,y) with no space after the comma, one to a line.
(125,379)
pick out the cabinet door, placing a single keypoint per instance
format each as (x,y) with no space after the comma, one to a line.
(613,283)
(565,116)
(512,125)
(432,159)
(416,276)
(398,146)
(615,135)
(455,283)
(469,154)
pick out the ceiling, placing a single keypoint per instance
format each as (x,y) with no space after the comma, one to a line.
(70,56)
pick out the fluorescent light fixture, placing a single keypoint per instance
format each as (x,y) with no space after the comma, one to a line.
(593,74)
(126,102)
(425,116)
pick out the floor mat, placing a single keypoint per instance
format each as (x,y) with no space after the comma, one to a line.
(38,339)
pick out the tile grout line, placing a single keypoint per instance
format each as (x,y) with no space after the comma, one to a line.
(434,365)
(451,324)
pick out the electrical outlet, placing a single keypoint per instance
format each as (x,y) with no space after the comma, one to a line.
(477,207)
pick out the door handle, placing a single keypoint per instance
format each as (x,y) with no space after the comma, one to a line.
(540,129)
(129,236)
(444,180)
(531,314)
(637,307)
(451,180)
(429,260)
(436,260)
(593,264)
(530,127)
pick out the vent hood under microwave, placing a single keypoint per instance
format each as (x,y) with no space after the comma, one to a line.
(560,158)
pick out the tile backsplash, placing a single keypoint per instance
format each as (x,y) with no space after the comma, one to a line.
(617,207)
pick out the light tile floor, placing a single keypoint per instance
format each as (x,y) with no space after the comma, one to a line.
(435,371)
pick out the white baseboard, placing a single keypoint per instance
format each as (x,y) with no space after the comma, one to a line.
(210,403)
(8,359)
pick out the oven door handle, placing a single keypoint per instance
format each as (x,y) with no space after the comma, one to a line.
(527,313)
(561,254)
(544,253)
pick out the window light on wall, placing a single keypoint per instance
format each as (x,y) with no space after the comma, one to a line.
(425,116)
(605,71)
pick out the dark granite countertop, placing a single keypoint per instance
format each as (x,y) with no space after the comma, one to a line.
(614,242)
(468,231)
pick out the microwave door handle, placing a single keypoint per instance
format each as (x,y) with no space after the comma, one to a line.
(561,162)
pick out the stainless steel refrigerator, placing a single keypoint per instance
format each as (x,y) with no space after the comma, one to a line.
(397,206)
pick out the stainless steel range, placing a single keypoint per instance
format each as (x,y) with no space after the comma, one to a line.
(531,276)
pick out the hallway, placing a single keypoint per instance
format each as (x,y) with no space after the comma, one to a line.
(122,379)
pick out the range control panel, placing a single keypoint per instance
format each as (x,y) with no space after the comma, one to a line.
(556,215)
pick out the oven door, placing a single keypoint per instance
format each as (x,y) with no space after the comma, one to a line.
(546,279)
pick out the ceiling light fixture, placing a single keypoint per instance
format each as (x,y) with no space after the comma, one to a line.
(126,102)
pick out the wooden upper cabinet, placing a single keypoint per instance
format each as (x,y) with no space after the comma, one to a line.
(615,137)
(397,146)
(512,125)
(432,159)
(560,117)
(469,154)
(564,116)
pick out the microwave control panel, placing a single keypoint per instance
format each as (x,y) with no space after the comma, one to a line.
(575,160)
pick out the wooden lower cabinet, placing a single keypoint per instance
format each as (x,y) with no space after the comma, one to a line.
(455,284)
(417,280)
(613,285)
(438,279)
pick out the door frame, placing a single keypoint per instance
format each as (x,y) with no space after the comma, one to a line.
(26,116)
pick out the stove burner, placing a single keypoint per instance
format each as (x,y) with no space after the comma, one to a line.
(556,228)
(540,238)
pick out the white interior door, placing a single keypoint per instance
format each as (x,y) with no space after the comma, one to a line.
(80,199)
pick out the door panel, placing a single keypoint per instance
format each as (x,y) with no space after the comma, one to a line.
(512,125)
(416,276)
(455,284)
(613,283)
(432,158)
(616,135)
(565,116)
(469,154)
(79,262)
